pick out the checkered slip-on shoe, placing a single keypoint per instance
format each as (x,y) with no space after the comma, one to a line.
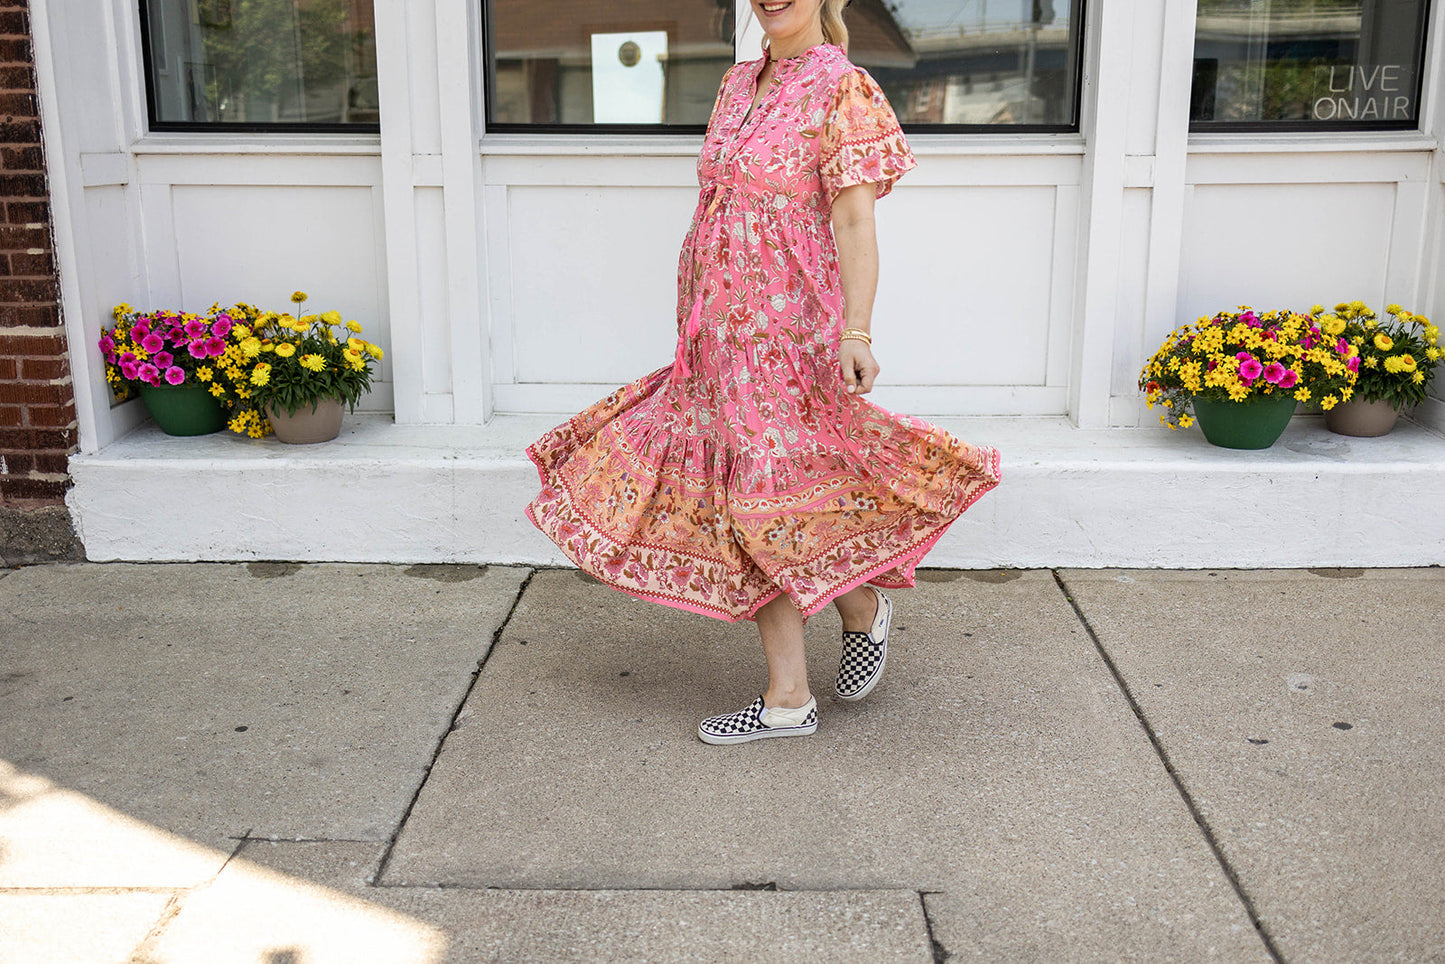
(864,654)
(752,723)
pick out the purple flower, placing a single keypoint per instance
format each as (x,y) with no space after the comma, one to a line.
(1250,370)
(163,359)
(174,375)
(139,331)
(216,346)
(127,356)
(152,342)
(106,343)
(129,369)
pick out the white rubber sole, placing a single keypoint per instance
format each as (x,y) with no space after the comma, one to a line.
(762,734)
(885,606)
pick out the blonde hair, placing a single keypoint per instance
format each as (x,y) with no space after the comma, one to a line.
(835,31)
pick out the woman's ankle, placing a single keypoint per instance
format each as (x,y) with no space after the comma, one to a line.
(789,699)
(858,608)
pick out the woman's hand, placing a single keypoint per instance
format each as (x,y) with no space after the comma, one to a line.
(859,366)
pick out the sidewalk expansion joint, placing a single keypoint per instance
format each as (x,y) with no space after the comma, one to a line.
(1180,788)
(451,726)
(940,953)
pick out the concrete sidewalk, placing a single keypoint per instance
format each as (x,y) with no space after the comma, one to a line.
(289,764)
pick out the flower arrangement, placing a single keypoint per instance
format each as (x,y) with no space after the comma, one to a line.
(1397,357)
(1243,355)
(290,362)
(165,348)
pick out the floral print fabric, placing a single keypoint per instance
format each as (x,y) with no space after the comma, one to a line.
(745,469)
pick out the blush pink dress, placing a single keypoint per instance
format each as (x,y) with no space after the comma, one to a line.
(744,469)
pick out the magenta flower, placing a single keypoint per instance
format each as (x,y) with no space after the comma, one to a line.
(127,356)
(216,346)
(152,343)
(139,331)
(1289,379)
(1250,318)
(1243,356)
(163,359)
(149,373)
(129,369)
(196,327)
(1250,370)
(174,375)
(107,343)
(223,325)
(1342,346)
(1274,372)
(198,349)
(1354,364)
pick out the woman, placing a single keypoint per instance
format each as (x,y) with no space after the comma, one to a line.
(750,479)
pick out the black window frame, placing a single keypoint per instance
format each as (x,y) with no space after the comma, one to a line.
(1330,126)
(237,127)
(1077,9)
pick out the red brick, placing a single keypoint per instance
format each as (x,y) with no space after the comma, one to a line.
(18,238)
(18,463)
(27,212)
(9,369)
(16,104)
(26,290)
(12,487)
(43,368)
(37,440)
(14,22)
(50,343)
(32,265)
(51,416)
(22,158)
(10,416)
(16,50)
(33,395)
(57,462)
(29,316)
(17,77)
(20,185)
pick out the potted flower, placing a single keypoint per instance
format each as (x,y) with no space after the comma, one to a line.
(303,369)
(169,358)
(1242,372)
(1397,361)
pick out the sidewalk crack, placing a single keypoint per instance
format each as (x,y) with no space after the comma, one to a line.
(940,953)
(1180,788)
(456,713)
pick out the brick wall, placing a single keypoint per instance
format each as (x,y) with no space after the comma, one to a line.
(37,404)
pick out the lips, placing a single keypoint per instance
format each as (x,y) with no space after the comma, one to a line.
(775,8)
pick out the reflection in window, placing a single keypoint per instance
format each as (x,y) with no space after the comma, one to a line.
(972,62)
(620,62)
(1307,63)
(261,62)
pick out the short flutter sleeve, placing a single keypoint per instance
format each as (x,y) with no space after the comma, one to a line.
(862,140)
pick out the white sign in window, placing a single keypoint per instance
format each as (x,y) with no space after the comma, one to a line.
(628,83)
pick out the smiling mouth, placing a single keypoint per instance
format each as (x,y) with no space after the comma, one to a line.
(775,7)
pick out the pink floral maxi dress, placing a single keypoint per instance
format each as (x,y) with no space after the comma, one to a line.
(744,469)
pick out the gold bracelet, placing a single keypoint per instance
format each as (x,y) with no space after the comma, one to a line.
(856,334)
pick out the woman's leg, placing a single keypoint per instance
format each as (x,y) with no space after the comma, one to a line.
(858,606)
(781,627)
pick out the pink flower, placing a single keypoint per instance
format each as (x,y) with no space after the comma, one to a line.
(1250,370)
(163,359)
(127,356)
(196,327)
(223,325)
(1354,364)
(129,369)
(107,343)
(216,346)
(1342,346)
(174,375)
(1243,356)
(1274,372)
(140,330)
(1289,379)
(149,373)
(1250,318)
(152,342)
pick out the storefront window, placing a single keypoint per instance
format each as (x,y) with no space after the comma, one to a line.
(656,64)
(260,64)
(1308,64)
(973,64)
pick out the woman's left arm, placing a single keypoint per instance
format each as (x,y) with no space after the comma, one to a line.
(858,266)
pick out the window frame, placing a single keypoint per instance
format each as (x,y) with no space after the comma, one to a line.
(1329,126)
(156,125)
(1077,44)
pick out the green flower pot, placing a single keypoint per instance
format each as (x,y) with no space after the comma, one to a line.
(185,409)
(1253,424)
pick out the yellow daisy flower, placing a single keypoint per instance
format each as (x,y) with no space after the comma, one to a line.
(285,349)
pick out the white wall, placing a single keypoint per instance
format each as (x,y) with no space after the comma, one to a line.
(1022,275)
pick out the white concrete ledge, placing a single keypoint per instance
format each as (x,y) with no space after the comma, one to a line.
(1139,497)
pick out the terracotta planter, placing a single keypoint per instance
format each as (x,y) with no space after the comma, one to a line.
(1361,418)
(318,423)
(186,409)
(1253,424)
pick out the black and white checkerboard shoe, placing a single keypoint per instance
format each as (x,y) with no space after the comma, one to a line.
(753,724)
(864,654)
